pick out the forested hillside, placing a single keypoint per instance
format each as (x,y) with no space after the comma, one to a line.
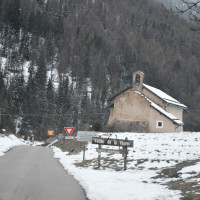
(61,59)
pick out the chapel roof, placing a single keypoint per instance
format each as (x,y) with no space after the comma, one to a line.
(165,97)
(171,117)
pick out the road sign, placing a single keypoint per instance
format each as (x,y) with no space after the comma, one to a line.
(50,132)
(69,130)
(112,142)
(69,137)
(85,136)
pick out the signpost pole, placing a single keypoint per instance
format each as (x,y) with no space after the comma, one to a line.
(83,151)
(69,147)
(69,131)
(125,155)
(125,158)
(99,157)
(84,136)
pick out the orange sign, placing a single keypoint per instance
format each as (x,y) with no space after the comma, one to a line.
(50,132)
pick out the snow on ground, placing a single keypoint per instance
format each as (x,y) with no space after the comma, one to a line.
(37,143)
(53,142)
(8,142)
(151,153)
(110,184)
(190,171)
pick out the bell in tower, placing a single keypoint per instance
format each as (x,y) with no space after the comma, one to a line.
(138,79)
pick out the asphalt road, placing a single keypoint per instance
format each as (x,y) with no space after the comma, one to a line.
(31,173)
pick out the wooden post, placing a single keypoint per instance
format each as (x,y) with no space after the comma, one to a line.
(99,157)
(125,156)
(83,151)
(69,147)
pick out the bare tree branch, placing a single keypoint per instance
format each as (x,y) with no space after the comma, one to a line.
(192,9)
(190,6)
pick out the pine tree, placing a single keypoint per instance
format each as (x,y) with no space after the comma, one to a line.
(66,94)
(41,74)
(6,120)
(16,97)
(51,104)
(60,98)
(64,102)
(2,90)
(20,93)
(29,107)
(14,15)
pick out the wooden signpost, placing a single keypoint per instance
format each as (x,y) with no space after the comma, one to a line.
(113,142)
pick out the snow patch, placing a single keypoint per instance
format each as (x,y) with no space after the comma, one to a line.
(164,96)
(8,142)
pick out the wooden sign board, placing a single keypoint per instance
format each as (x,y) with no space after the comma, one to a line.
(85,136)
(112,142)
(109,150)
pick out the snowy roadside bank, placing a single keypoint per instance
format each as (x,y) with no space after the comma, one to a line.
(8,142)
(150,155)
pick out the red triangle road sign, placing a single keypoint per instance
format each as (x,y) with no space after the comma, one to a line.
(69,130)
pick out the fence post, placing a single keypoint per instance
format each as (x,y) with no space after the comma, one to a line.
(99,155)
(125,156)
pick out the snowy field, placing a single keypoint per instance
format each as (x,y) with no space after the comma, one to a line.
(151,154)
(144,179)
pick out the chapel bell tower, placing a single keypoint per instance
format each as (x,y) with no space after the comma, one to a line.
(138,78)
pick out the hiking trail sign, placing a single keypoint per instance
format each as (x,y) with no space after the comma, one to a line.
(69,130)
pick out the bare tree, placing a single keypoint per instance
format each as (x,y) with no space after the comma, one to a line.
(192,8)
